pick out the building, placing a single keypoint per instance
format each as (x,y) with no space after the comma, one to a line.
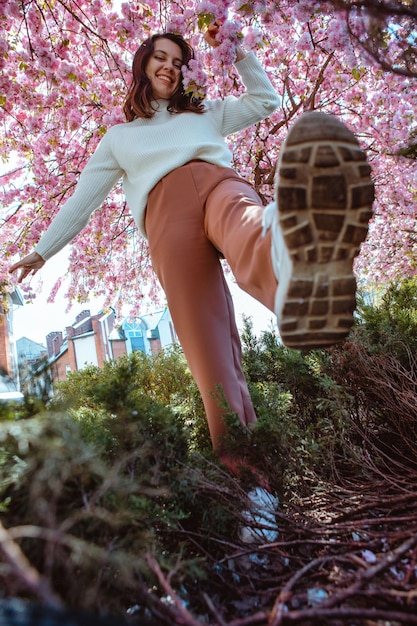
(34,376)
(95,339)
(8,357)
(9,373)
(86,342)
(149,333)
(29,351)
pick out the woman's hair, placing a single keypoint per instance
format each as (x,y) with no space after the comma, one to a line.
(139,98)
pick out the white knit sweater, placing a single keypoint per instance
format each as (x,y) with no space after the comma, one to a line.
(143,151)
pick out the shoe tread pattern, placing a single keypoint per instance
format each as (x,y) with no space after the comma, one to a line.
(325,197)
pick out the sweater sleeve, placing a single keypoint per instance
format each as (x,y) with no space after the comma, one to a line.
(259,100)
(94,184)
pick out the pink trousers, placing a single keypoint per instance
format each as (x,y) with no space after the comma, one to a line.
(193,213)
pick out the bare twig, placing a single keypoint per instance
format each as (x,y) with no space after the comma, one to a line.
(186,617)
(25,571)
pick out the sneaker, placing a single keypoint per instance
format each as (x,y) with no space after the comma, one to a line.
(260,517)
(324,195)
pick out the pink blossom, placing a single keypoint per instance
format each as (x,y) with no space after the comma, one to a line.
(337,33)
(74,119)
(217,8)
(253,37)
(304,43)
(304,10)
(54,291)
(177,24)
(4,46)
(10,8)
(194,79)
(67,70)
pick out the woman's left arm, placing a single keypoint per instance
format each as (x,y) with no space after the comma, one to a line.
(254,105)
(260,98)
(241,53)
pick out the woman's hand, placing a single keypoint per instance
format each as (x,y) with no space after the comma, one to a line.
(210,35)
(30,264)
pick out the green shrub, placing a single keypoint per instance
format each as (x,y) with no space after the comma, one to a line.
(164,378)
(120,467)
(302,411)
(107,481)
(377,368)
(389,325)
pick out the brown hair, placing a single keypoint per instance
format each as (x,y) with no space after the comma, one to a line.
(138,101)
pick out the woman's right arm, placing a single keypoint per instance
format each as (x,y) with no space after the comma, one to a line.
(30,264)
(95,183)
(260,99)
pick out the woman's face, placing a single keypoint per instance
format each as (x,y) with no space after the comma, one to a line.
(164,68)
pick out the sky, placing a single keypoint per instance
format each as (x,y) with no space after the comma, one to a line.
(36,320)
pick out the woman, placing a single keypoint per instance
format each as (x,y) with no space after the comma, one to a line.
(194,209)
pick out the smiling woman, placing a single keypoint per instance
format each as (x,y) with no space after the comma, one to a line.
(164,69)
(156,75)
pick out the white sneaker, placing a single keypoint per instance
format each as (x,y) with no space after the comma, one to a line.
(324,196)
(260,517)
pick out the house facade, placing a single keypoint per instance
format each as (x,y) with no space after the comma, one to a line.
(149,333)
(29,351)
(9,374)
(95,339)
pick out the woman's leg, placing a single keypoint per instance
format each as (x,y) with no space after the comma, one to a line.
(233,223)
(188,267)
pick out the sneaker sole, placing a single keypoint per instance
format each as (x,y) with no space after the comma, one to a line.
(325,196)
(262,526)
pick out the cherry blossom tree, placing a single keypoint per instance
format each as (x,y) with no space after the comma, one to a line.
(65,67)
(390,37)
